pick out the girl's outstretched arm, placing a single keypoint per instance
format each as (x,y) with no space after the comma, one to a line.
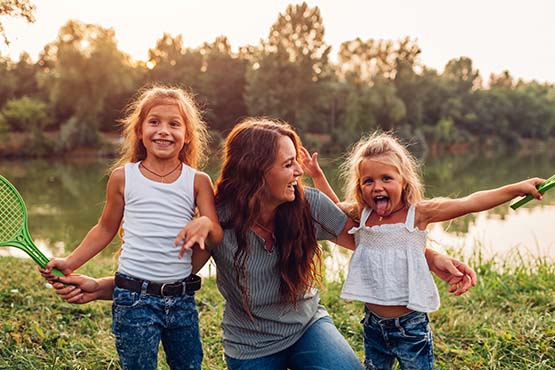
(103,232)
(310,166)
(204,230)
(443,209)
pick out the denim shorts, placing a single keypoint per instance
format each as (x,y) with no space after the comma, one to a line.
(141,321)
(321,347)
(407,338)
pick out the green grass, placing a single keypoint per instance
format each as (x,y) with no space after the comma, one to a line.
(506,322)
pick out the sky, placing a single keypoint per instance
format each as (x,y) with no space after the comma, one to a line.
(498,35)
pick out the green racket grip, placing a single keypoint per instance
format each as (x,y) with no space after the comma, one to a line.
(522,201)
(57,273)
(542,188)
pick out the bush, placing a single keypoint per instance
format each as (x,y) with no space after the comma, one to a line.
(25,114)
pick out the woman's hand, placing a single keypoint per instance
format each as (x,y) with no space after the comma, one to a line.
(80,289)
(459,276)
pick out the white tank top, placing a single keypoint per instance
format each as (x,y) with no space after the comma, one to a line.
(153,215)
(388,266)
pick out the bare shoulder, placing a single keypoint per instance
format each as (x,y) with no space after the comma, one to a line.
(118,175)
(202,181)
(118,172)
(117,179)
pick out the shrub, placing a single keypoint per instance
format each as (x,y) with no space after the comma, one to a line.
(25,114)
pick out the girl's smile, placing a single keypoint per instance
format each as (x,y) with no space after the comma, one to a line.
(163,131)
(381,185)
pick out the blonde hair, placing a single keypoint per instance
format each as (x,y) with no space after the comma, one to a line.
(196,135)
(386,148)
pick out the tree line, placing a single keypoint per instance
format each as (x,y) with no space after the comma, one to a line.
(81,82)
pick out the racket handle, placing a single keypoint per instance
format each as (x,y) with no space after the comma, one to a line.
(522,201)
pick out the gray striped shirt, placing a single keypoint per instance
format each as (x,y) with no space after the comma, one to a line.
(276,326)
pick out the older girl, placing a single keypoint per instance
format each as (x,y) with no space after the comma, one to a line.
(155,190)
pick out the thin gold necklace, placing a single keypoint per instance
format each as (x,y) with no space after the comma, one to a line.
(157,174)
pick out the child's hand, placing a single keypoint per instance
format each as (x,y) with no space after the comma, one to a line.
(62,264)
(309,163)
(528,187)
(195,232)
(459,276)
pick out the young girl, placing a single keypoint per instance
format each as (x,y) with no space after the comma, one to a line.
(388,270)
(155,189)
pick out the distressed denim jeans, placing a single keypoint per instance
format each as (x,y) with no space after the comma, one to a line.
(407,338)
(141,321)
(321,347)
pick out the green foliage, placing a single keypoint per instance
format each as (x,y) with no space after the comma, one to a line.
(223,85)
(171,63)
(25,114)
(8,82)
(85,71)
(284,78)
(86,82)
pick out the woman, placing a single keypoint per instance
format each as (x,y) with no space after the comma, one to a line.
(267,263)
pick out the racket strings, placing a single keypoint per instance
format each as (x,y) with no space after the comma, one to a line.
(11,213)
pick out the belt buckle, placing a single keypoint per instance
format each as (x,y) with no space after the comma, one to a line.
(162,290)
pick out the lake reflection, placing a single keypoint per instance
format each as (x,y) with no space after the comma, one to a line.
(65,199)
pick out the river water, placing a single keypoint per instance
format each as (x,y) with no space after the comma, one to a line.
(65,199)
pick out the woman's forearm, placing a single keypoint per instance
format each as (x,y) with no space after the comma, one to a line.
(105,288)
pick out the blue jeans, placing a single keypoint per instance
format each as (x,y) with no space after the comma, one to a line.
(141,321)
(407,338)
(321,347)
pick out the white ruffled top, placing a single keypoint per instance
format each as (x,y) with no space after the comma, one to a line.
(388,266)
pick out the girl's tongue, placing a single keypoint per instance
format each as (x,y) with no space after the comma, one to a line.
(381,206)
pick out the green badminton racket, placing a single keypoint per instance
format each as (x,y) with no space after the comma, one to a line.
(542,188)
(13,225)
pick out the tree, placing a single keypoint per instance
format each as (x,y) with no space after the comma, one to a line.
(461,75)
(361,61)
(223,84)
(8,81)
(407,82)
(25,73)
(82,69)
(16,8)
(172,64)
(387,67)
(461,81)
(284,78)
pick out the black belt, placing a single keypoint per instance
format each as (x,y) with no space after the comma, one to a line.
(189,284)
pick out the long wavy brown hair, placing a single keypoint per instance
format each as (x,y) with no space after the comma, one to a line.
(250,151)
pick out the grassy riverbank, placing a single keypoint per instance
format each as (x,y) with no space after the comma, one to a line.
(506,322)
